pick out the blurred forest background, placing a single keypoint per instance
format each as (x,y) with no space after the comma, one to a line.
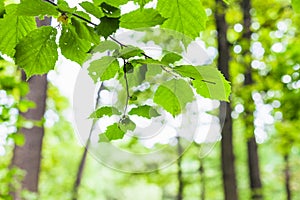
(255,45)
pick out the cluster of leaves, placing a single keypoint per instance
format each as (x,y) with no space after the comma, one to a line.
(36,49)
(172,95)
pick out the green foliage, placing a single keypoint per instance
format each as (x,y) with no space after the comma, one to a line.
(72,46)
(173,96)
(141,19)
(107,26)
(85,32)
(113,132)
(13,29)
(37,52)
(104,68)
(171,58)
(36,8)
(185,16)
(105,111)
(208,81)
(144,111)
(92,9)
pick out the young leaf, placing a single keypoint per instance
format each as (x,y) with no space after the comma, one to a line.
(127,125)
(107,26)
(208,81)
(13,29)
(144,111)
(113,132)
(115,3)
(129,51)
(173,96)
(141,19)
(171,57)
(36,8)
(72,46)
(37,52)
(104,68)
(106,45)
(85,32)
(185,16)
(92,9)
(110,11)
(63,5)
(108,111)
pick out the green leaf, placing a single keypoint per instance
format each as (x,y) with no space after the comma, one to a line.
(106,45)
(171,57)
(83,15)
(72,46)
(127,125)
(113,132)
(36,8)
(107,26)
(13,29)
(296,5)
(104,68)
(128,52)
(108,111)
(37,52)
(92,9)
(144,111)
(115,3)
(85,32)
(141,19)
(64,6)
(208,81)
(2,10)
(185,16)
(110,11)
(173,96)
(142,3)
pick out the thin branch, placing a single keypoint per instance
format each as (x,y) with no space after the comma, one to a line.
(127,89)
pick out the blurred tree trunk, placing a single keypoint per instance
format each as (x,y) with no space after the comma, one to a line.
(227,155)
(287,177)
(202,178)
(253,159)
(179,172)
(28,156)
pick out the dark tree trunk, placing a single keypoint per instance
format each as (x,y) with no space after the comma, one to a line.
(84,155)
(179,172)
(202,179)
(253,159)
(28,156)
(287,177)
(228,158)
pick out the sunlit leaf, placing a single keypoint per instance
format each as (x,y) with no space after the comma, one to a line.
(141,19)
(173,96)
(13,29)
(185,16)
(105,111)
(37,52)
(72,46)
(144,111)
(113,132)
(208,81)
(104,68)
